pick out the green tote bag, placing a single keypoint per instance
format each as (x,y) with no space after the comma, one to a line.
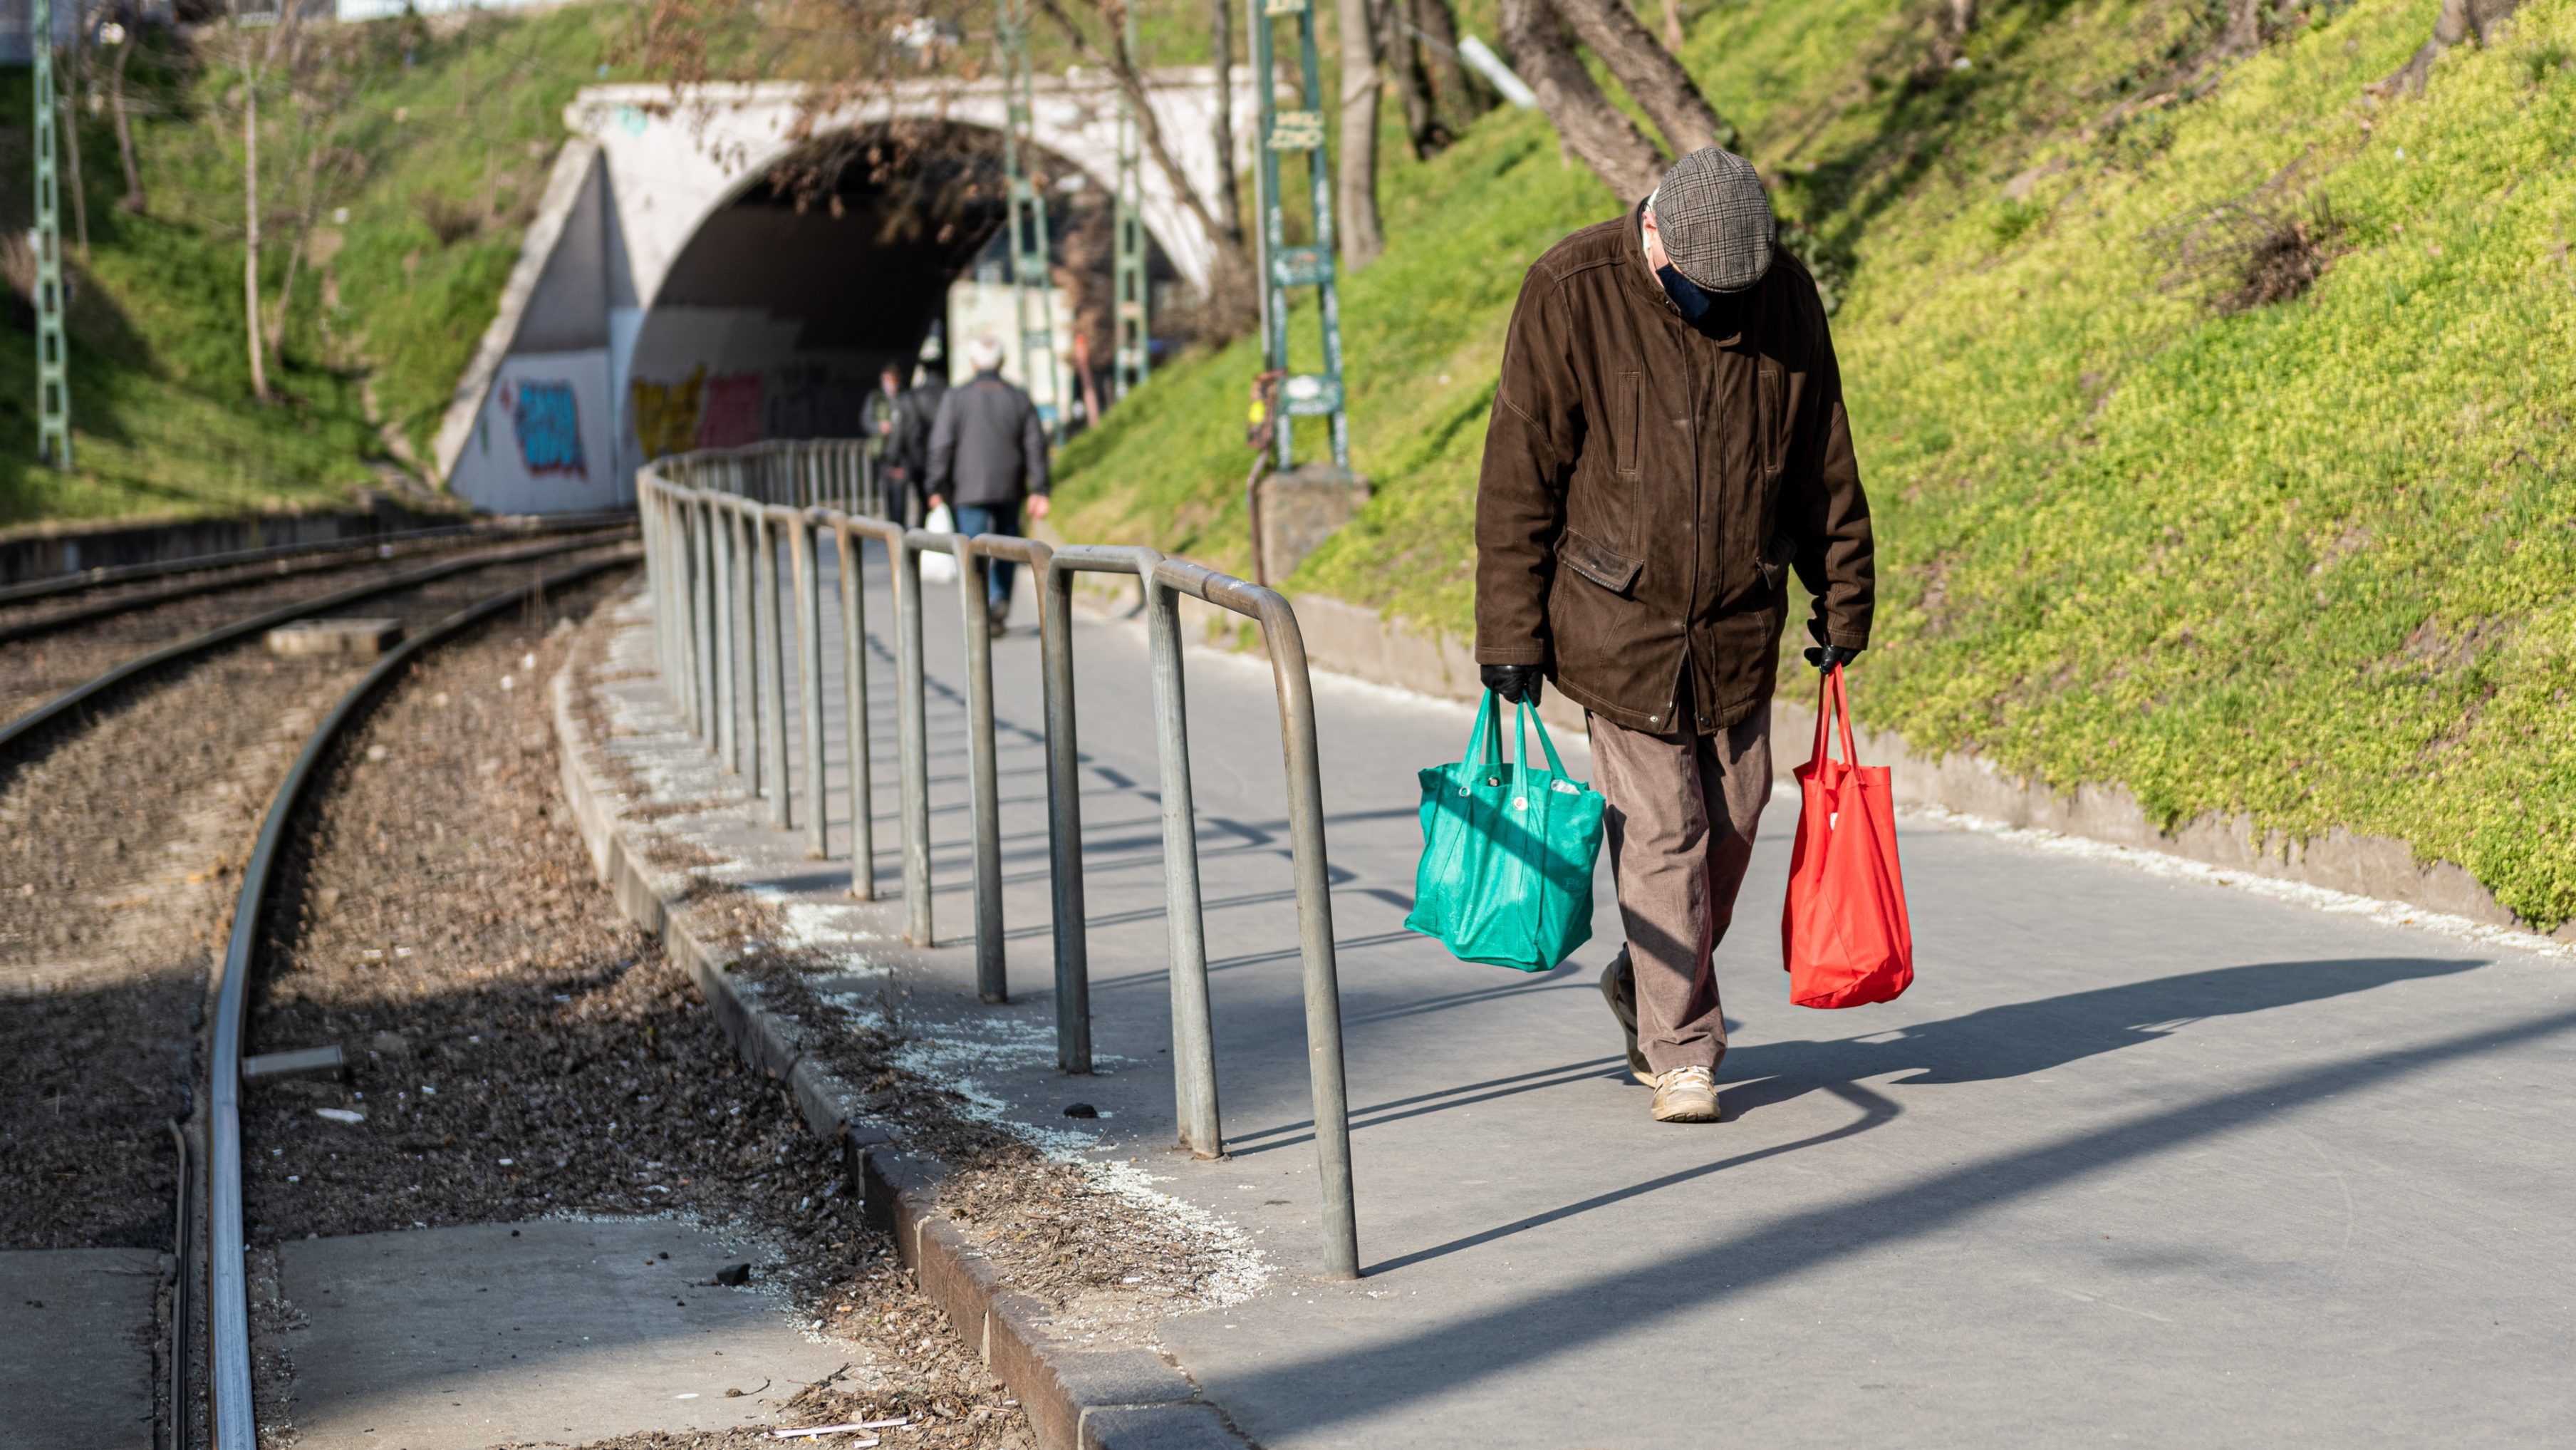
(1507,852)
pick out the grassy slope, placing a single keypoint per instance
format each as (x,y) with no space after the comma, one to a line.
(2310,562)
(163,417)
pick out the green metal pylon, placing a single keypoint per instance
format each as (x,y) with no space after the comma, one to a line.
(53,381)
(1301,395)
(1029,271)
(1130,288)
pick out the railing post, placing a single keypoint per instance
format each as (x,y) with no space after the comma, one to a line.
(773,673)
(1193,1040)
(1064,821)
(809,683)
(721,531)
(992,981)
(1330,1093)
(747,581)
(913,743)
(702,612)
(854,689)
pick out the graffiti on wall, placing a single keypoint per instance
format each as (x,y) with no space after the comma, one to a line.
(666,414)
(732,416)
(797,400)
(547,419)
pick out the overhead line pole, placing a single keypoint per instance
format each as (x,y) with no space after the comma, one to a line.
(1029,240)
(53,378)
(1301,395)
(1130,286)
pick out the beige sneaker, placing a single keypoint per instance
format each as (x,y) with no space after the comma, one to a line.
(1686,1095)
(1625,1009)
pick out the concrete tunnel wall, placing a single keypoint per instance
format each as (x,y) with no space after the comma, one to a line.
(671,300)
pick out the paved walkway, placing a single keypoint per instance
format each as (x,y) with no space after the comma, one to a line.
(2136,1160)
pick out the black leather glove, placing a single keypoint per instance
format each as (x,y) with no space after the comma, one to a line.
(1825,656)
(1514,683)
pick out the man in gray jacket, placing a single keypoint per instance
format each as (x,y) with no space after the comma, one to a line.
(988,455)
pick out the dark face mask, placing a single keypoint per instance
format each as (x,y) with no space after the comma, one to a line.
(1714,314)
(1686,294)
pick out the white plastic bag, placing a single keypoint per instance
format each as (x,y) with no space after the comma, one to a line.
(939,568)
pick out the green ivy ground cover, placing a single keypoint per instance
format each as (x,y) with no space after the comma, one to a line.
(2312,561)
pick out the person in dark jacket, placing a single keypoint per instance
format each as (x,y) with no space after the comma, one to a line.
(987,457)
(1667,444)
(907,447)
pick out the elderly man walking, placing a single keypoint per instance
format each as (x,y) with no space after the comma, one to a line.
(1667,443)
(988,457)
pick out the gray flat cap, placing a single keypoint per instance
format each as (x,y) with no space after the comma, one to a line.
(1716,220)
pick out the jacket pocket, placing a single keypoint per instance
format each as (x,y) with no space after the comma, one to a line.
(1612,571)
(1773,382)
(1773,560)
(1624,390)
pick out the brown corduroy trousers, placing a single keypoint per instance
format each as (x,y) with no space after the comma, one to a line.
(1680,810)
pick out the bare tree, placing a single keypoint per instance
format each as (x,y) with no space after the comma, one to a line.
(1230,283)
(125,42)
(1461,94)
(70,102)
(1410,78)
(1670,99)
(1362,237)
(1229,200)
(257,38)
(1598,132)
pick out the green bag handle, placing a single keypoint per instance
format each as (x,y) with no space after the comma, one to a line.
(1529,717)
(1486,749)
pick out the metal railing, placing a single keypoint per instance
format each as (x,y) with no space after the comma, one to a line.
(714,528)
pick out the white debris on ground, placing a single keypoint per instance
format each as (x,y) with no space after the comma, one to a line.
(1088,1232)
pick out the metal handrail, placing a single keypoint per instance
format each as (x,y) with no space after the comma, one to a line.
(716,526)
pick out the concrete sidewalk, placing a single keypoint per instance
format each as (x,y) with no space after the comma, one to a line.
(2137,1159)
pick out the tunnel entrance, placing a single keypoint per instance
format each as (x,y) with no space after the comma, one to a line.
(777,317)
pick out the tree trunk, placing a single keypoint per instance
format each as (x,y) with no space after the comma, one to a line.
(1593,129)
(1404,70)
(1229,195)
(1673,26)
(1361,237)
(133,198)
(71,139)
(1461,94)
(2459,20)
(1661,87)
(250,221)
(2244,32)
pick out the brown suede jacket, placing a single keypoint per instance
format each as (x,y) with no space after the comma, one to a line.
(1647,488)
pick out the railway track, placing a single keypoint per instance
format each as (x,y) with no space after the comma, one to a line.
(208,853)
(233,1409)
(126,802)
(57,633)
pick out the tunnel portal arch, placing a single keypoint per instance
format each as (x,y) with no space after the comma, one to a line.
(665,251)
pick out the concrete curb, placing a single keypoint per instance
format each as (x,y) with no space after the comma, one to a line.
(1076,1399)
(1351,640)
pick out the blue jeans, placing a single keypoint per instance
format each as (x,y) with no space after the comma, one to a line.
(973,519)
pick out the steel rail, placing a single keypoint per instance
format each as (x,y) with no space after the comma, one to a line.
(104,575)
(228,1288)
(25,725)
(17,630)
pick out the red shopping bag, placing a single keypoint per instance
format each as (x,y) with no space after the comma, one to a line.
(1843,935)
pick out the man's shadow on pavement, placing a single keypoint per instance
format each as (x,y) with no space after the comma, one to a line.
(1998,1042)
(2019,1038)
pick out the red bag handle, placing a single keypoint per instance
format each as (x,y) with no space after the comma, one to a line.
(1832,703)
